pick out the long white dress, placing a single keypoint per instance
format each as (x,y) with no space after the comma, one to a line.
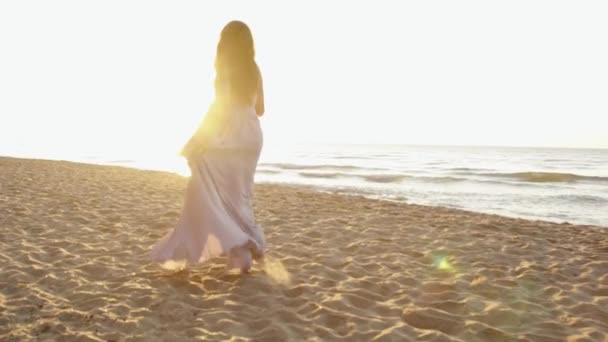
(217,218)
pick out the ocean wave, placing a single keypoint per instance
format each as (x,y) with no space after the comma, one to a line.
(374,178)
(588,199)
(512,179)
(381,178)
(286,166)
(268,172)
(355,157)
(547,177)
(466,169)
(322,175)
(442,179)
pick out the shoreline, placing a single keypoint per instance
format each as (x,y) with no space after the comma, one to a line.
(74,240)
(322,189)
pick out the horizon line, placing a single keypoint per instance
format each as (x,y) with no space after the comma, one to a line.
(447,145)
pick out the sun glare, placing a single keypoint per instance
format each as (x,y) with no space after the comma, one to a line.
(442,262)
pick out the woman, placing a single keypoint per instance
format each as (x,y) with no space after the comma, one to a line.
(217,218)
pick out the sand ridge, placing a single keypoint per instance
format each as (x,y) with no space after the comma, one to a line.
(74,240)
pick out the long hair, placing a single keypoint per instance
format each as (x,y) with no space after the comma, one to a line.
(235,64)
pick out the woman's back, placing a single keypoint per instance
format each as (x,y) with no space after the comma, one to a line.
(218,217)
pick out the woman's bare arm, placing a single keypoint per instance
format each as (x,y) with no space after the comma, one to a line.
(259,105)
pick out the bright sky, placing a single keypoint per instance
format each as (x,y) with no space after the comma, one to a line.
(136,76)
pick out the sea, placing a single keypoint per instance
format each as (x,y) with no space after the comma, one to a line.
(551,184)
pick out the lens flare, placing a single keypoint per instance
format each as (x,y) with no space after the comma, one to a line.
(441,261)
(444,265)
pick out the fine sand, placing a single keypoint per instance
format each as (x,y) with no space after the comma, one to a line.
(74,240)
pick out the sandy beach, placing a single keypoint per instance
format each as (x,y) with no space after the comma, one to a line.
(74,240)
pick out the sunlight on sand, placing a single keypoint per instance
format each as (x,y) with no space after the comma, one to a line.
(75,262)
(174,265)
(276,271)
